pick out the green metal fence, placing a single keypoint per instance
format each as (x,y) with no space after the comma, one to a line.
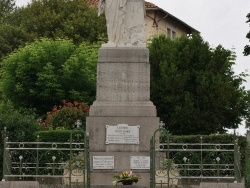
(185,164)
(52,164)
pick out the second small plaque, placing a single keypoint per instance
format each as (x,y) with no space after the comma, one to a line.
(103,162)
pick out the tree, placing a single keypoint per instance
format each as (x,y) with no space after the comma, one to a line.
(11,37)
(72,19)
(247,47)
(194,88)
(6,7)
(46,72)
(20,126)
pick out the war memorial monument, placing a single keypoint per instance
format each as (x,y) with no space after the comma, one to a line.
(122,119)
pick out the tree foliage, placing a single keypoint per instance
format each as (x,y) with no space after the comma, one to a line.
(73,19)
(46,72)
(20,126)
(11,37)
(6,7)
(194,88)
(247,47)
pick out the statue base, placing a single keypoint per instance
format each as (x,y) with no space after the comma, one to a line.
(123,97)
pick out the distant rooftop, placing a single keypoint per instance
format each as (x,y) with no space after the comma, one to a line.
(151,6)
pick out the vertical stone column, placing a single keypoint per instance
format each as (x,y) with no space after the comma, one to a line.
(123,97)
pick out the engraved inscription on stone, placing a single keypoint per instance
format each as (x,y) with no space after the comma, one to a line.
(122,134)
(124,83)
(139,162)
(103,162)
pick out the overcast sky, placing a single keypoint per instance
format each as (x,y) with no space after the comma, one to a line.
(219,22)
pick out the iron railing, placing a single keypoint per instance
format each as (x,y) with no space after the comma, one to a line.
(191,163)
(49,163)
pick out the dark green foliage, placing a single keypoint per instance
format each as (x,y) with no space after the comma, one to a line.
(11,37)
(214,138)
(20,126)
(6,7)
(247,47)
(194,87)
(46,72)
(73,19)
(60,135)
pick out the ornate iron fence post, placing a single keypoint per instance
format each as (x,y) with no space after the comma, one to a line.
(237,166)
(86,161)
(37,157)
(70,159)
(6,156)
(156,139)
(152,163)
(201,162)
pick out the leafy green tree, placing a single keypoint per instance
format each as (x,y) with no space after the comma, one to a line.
(247,47)
(11,37)
(21,125)
(46,72)
(6,7)
(73,19)
(194,87)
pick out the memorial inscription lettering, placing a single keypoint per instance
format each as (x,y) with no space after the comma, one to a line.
(103,162)
(122,134)
(139,162)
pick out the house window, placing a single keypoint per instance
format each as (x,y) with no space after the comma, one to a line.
(173,34)
(169,32)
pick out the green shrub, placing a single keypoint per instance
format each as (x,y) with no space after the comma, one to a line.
(66,115)
(60,135)
(20,126)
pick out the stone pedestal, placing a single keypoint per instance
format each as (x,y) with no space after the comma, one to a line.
(123,97)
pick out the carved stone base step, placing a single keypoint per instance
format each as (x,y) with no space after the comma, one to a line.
(19,184)
(222,185)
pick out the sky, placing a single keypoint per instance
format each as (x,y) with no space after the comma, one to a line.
(219,22)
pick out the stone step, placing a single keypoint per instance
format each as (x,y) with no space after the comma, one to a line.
(222,185)
(19,184)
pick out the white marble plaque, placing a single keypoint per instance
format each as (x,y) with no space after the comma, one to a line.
(103,162)
(122,134)
(139,162)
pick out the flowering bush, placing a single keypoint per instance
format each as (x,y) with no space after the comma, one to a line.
(125,176)
(67,116)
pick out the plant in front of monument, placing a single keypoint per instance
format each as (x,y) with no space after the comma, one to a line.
(167,164)
(126,178)
(74,170)
(167,172)
(77,162)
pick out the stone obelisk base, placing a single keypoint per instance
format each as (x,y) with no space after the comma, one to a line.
(123,97)
(121,152)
